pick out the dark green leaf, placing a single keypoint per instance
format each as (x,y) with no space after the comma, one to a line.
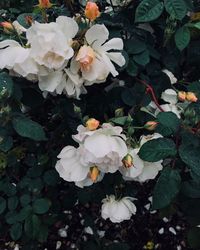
(41,206)
(182,38)
(176,8)
(16,231)
(51,177)
(12,203)
(2,205)
(148,10)
(32,226)
(142,58)
(28,128)
(166,188)
(6,84)
(190,155)
(169,120)
(132,68)
(157,149)
(25,200)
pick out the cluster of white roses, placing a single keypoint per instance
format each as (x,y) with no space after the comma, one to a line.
(61,58)
(104,150)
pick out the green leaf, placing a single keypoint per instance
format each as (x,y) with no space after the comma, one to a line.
(182,38)
(2,205)
(16,231)
(169,120)
(32,226)
(28,128)
(190,155)
(148,10)
(135,46)
(121,120)
(166,188)
(51,177)
(157,149)
(176,8)
(142,58)
(41,206)
(12,203)
(6,84)
(132,68)
(25,200)
(6,144)
(24,213)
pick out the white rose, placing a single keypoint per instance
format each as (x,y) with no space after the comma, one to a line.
(64,81)
(69,166)
(51,42)
(16,58)
(150,171)
(94,59)
(104,147)
(117,210)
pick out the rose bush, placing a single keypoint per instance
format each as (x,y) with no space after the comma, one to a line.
(99,109)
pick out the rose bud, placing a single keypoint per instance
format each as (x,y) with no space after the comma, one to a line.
(191,97)
(182,96)
(8,27)
(44,4)
(92,124)
(150,125)
(94,173)
(128,161)
(92,11)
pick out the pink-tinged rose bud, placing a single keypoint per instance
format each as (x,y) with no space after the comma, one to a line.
(44,4)
(8,27)
(182,96)
(128,161)
(92,124)
(151,125)
(191,97)
(85,57)
(94,173)
(92,11)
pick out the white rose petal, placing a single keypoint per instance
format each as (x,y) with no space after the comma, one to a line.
(117,210)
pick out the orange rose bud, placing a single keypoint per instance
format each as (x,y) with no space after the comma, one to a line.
(128,161)
(92,11)
(94,173)
(150,125)
(191,97)
(92,124)
(44,4)
(182,96)
(7,26)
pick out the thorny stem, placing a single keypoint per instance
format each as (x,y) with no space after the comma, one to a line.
(150,90)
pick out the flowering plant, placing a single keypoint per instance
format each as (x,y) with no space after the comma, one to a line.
(99,114)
